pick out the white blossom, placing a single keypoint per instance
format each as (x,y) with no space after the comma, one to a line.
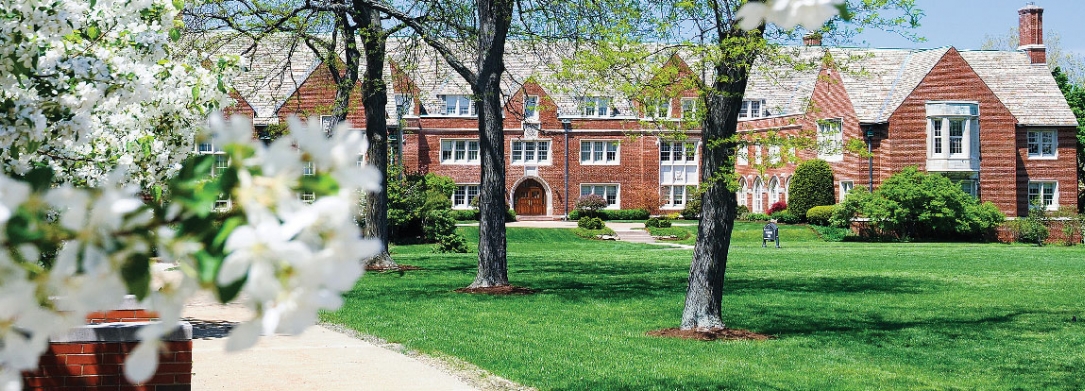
(787,14)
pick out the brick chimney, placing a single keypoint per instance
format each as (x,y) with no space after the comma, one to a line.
(811,39)
(1032,33)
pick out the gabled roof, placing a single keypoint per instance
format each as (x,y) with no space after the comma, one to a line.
(1028,90)
(878,80)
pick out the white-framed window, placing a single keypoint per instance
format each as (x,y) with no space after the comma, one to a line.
(758,196)
(609,192)
(830,140)
(953,129)
(327,123)
(757,154)
(690,107)
(1043,144)
(463,195)
(742,155)
(531,108)
(774,191)
(459,152)
(460,106)
(307,169)
(404,104)
(774,154)
(678,152)
(222,162)
(223,203)
(593,106)
(969,186)
(530,152)
(676,197)
(752,108)
(599,152)
(1044,193)
(743,191)
(658,109)
(845,188)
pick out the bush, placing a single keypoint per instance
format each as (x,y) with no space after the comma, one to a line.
(511,215)
(913,204)
(677,232)
(1031,228)
(832,234)
(440,228)
(465,214)
(742,213)
(786,217)
(590,204)
(590,223)
(756,217)
(611,214)
(657,222)
(419,207)
(593,233)
(776,207)
(820,215)
(692,211)
(811,186)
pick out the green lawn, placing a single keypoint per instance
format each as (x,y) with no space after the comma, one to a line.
(846,315)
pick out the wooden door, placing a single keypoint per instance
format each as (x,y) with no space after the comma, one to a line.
(530,199)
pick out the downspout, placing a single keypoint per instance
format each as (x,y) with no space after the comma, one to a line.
(566,126)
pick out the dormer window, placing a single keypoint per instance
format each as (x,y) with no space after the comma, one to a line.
(690,107)
(531,108)
(658,109)
(404,104)
(752,109)
(593,106)
(460,106)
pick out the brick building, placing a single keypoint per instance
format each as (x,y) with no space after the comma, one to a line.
(993,121)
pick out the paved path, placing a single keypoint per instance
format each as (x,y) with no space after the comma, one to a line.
(319,359)
(629,232)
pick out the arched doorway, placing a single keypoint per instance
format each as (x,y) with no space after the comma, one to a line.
(529,198)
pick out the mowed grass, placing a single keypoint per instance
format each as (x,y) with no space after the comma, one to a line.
(845,315)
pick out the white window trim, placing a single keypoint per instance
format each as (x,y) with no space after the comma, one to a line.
(746,111)
(404,104)
(1054,144)
(669,191)
(742,155)
(453,161)
(693,104)
(582,103)
(653,110)
(969,132)
(534,117)
(535,161)
(1054,194)
(591,151)
(837,154)
(681,144)
(472,108)
(617,193)
(845,188)
(467,195)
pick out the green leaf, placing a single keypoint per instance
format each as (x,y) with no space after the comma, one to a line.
(179,4)
(136,272)
(320,184)
(93,32)
(175,35)
(196,93)
(207,266)
(224,233)
(230,292)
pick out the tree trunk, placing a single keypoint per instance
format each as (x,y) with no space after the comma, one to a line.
(495,17)
(374,100)
(704,296)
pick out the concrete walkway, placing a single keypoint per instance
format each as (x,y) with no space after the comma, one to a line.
(319,359)
(628,232)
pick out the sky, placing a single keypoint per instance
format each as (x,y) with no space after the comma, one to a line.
(965,23)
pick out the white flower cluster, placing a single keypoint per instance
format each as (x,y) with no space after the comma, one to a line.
(87,85)
(787,14)
(295,257)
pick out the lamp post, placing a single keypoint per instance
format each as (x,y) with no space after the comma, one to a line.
(566,125)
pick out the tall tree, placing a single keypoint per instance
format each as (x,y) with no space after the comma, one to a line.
(1075,97)
(329,29)
(488,34)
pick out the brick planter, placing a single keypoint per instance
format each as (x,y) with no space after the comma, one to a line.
(92,357)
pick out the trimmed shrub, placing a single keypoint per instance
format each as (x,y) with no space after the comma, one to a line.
(742,213)
(465,214)
(590,223)
(593,233)
(440,228)
(611,214)
(786,217)
(820,215)
(917,205)
(811,186)
(510,215)
(658,222)
(419,208)
(776,207)
(677,232)
(756,217)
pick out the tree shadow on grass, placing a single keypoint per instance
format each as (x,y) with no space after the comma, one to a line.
(848,285)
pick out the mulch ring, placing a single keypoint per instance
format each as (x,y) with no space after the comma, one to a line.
(711,334)
(401,268)
(502,290)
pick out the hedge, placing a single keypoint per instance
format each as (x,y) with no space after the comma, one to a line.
(612,214)
(811,186)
